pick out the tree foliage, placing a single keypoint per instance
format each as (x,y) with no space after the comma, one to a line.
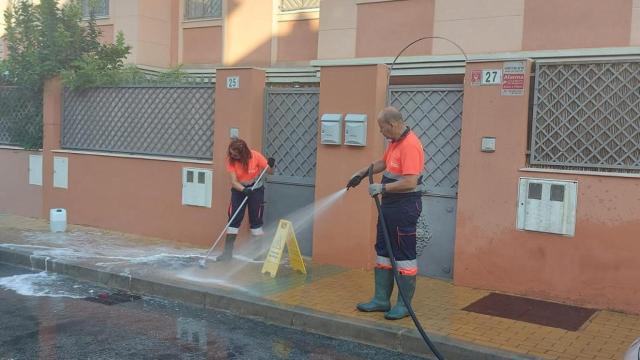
(48,39)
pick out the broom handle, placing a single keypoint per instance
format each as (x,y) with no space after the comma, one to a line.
(235,213)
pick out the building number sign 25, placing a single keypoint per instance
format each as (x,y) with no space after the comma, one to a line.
(233,82)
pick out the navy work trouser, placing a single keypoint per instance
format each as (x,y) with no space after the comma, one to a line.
(401,217)
(255,203)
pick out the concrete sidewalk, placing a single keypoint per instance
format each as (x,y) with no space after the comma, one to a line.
(322,301)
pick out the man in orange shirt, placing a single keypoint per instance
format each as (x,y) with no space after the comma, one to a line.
(245,166)
(401,190)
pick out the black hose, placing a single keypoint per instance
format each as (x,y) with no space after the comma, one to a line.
(394,266)
(393,63)
(385,232)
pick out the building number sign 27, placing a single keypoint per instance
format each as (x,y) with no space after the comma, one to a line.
(491,77)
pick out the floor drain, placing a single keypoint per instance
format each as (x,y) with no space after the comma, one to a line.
(114,298)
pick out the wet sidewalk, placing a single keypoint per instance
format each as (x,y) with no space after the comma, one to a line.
(322,301)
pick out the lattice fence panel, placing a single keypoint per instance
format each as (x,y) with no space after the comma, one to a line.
(20,114)
(587,115)
(291,131)
(172,121)
(435,115)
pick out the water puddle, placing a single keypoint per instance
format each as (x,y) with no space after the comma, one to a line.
(46,284)
(116,253)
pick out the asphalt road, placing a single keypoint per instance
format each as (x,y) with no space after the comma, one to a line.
(48,316)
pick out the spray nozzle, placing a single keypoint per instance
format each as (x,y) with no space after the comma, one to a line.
(354,181)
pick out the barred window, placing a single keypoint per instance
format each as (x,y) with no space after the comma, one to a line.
(99,8)
(586,116)
(293,5)
(202,9)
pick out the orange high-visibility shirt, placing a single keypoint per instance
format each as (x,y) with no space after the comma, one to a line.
(405,157)
(257,163)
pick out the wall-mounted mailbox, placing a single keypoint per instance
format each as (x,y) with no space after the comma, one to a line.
(355,129)
(331,129)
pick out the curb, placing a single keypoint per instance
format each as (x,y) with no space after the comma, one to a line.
(390,337)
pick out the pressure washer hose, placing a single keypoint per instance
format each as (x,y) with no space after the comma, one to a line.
(393,63)
(385,232)
(394,270)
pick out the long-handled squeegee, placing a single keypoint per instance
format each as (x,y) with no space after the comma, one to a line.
(203,262)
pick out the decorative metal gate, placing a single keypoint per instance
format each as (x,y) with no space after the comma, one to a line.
(291,117)
(435,115)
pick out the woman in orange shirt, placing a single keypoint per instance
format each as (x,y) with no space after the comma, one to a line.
(245,166)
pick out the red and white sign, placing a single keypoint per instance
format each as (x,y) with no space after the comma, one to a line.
(513,78)
(476,77)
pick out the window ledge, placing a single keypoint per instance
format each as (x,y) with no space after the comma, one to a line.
(307,14)
(131,156)
(104,21)
(204,22)
(358,2)
(97,18)
(581,172)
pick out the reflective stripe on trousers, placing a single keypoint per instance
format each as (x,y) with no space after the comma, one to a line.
(401,218)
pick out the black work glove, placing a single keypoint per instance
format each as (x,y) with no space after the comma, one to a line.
(355,181)
(271,162)
(247,191)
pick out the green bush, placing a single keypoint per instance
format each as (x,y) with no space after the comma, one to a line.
(46,40)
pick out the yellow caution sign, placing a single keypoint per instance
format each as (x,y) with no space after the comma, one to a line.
(284,236)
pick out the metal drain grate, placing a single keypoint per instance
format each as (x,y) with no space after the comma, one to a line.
(117,297)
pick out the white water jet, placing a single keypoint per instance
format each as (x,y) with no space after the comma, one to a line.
(41,284)
(114,251)
(301,219)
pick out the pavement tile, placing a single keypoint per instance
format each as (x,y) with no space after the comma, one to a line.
(335,290)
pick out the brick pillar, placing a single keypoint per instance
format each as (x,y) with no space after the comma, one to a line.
(487,242)
(241,108)
(345,234)
(52,120)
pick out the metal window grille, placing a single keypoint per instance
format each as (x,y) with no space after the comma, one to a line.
(202,9)
(293,5)
(435,115)
(291,131)
(20,114)
(587,116)
(99,8)
(172,121)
